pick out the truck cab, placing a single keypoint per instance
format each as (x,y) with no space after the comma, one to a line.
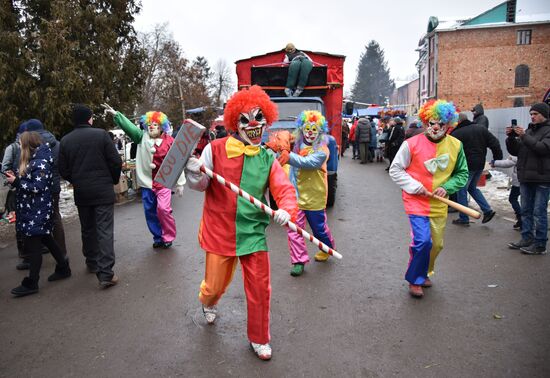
(323,92)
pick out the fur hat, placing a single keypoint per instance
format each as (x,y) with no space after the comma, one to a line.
(81,114)
(541,108)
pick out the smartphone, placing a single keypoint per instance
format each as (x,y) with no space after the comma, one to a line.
(514,122)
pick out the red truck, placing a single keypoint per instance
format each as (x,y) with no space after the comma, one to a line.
(323,92)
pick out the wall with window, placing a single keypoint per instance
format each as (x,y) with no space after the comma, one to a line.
(501,67)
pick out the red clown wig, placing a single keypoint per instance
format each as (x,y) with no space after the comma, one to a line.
(246,100)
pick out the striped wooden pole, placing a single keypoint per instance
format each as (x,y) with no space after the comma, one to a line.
(269,211)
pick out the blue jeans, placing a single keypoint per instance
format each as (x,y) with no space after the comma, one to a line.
(471,187)
(534,204)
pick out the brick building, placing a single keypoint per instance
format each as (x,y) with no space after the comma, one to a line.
(406,97)
(499,58)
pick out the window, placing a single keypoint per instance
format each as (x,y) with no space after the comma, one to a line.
(518,102)
(523,37)
(522,76)
(423,81)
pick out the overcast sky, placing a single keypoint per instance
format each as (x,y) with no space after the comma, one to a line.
(237,29)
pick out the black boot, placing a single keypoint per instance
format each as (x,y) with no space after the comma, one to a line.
(27,287)
(23,265)
(517,225)
(61,272)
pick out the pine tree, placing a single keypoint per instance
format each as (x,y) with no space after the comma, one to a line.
(73,51)
(373,83)
(15,78)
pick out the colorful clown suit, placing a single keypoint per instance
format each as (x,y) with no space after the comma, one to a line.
(151,151)
(231,228)
(308,173)
(424,163)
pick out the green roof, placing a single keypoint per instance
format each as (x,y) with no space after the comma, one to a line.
(496,14)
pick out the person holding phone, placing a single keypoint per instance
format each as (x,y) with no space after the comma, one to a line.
(532,147)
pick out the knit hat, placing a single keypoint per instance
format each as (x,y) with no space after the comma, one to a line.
(81,114)
(542,108)
(33,125)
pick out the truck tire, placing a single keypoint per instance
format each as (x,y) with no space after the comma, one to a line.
(332,185)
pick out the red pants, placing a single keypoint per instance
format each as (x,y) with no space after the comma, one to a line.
(219,271)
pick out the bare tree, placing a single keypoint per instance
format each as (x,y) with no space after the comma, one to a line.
(172,82)
(222,82)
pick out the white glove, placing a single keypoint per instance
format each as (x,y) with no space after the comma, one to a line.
(108,110)
(179,190)
(193,165)
(281,217)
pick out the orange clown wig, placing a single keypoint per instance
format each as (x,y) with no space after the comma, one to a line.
(246,100)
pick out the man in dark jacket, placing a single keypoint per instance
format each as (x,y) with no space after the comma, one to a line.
(58,231)
(532,147)
(89,160)
(479,117)
(362,137)
(396,138)
(475,141)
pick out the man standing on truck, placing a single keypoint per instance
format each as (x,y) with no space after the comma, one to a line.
(298,70)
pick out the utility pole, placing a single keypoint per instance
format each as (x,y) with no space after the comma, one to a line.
(181,99)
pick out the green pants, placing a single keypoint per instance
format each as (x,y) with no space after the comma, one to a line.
(298,71)
(364,152)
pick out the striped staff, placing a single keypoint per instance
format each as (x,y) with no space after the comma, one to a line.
(269,211)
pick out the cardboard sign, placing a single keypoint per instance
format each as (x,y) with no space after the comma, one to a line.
(184,144)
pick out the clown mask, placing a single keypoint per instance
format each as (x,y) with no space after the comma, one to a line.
(252,126)
(311,133)
(436,129)
(154,130)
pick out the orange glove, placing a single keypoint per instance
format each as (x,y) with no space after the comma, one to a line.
(283,159)
(279,141)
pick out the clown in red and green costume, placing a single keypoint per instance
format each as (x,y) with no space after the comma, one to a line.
(432,162)
(232,229)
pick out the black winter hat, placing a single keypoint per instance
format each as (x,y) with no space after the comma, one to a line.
(33,124)
(542,108)
(81,114)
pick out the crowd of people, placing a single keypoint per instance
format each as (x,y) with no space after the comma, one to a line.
(441,154)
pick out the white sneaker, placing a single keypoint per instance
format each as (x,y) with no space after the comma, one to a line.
(210,313)
(288,92)
(298,92)
(263,351)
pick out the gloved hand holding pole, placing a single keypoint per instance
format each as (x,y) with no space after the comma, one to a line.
(266,209)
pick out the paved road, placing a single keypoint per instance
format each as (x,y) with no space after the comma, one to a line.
(349,318)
